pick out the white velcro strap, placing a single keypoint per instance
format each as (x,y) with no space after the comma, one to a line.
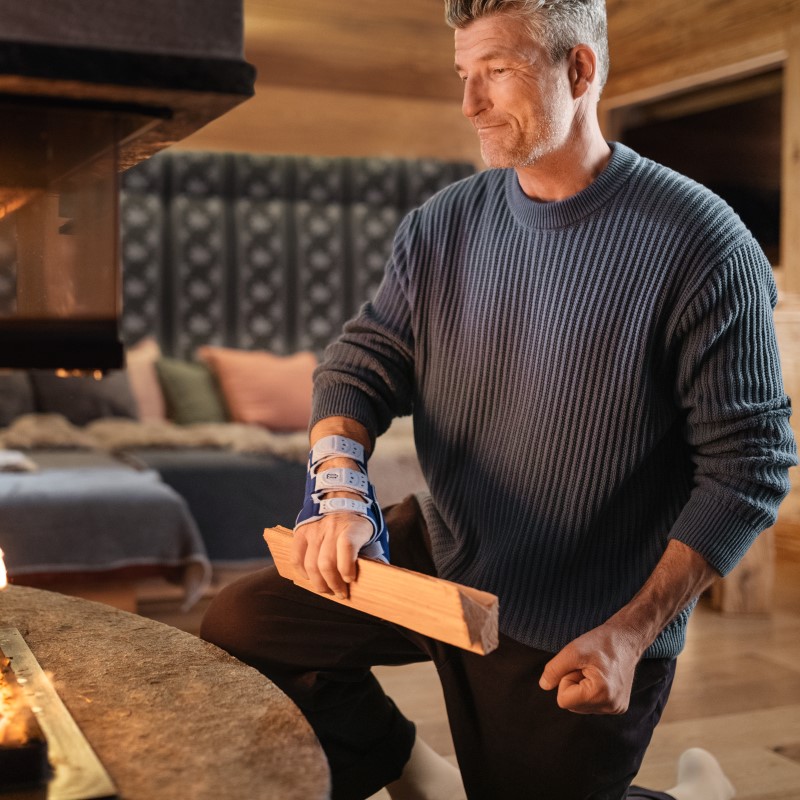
(332,504)
(341,478)
(330,446)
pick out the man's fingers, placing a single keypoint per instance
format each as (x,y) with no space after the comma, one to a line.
(562,664)
(593,674)
(573,687)
(588,692)
(574,692)
(325,552)
(329,568)
(346,555)
(311,565)
(580,688)
(571,680)
(298,557)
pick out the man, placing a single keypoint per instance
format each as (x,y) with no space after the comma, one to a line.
(585,341)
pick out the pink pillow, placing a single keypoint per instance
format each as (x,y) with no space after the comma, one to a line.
(262,388)
(140,362)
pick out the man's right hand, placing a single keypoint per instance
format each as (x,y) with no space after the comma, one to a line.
(325,551)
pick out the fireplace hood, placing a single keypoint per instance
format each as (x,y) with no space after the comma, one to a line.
(88,88)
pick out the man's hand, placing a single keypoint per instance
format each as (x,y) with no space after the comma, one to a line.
(325,551)
(594,673)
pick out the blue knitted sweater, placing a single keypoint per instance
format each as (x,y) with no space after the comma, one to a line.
(589,379)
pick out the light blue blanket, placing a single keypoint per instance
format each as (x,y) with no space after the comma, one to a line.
(87,512)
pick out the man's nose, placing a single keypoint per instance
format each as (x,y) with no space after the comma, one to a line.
(475,97)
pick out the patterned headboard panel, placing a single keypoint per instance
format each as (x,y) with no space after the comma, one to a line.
(251,251)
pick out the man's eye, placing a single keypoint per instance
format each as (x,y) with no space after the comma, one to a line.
(499,70)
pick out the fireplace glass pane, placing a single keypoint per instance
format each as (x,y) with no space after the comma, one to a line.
(59,271)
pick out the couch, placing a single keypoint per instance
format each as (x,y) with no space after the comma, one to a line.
(238,270)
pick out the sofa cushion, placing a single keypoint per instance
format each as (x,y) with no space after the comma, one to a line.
(190,392)
(16,396)
(140,362)
(82,399)
(262,388)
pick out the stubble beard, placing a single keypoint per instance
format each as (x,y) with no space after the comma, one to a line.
(516,155)
(524,150)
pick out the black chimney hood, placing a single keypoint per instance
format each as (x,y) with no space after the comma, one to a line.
(89,88)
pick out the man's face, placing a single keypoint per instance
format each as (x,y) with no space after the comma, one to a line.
(519,102)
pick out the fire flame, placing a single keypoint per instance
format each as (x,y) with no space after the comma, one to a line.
(13,725)
(3,576)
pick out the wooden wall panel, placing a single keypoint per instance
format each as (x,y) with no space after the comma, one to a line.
(348,79)
(665,42)
(790,178)
(371,46)
(281,119)
(787,325)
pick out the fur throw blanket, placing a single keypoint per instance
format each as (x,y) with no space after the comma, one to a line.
(115,434)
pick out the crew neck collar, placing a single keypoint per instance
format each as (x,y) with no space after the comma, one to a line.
(562,213)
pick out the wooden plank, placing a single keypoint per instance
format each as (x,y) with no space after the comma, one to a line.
(447,611)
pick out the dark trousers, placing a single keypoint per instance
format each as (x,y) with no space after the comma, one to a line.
(512,741)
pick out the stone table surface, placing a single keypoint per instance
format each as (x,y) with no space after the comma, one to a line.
(170,717)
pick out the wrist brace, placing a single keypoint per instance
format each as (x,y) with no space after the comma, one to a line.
(321,482)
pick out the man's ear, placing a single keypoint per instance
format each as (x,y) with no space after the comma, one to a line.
(582,69)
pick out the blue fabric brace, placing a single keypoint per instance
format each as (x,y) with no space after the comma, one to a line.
(320,482)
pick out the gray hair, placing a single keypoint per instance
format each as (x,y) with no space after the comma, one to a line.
(558,24)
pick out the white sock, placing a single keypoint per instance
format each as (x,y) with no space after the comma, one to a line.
(427,776)
(700,777)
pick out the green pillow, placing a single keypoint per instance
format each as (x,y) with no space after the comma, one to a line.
(190,391)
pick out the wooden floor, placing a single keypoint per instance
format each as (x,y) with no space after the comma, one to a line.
(737,694)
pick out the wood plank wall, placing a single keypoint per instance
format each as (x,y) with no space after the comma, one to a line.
(347,79)
(787,316)
(658,44)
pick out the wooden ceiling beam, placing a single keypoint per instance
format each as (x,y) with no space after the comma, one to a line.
(675,40)
(390,49)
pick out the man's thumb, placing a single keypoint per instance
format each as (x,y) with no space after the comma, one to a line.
(560,665)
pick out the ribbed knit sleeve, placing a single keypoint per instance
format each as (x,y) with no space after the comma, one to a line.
(728,382)
(368,373)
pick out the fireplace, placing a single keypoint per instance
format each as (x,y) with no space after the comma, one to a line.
(43,752)
(23,747)
(87,90)
(42,745)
